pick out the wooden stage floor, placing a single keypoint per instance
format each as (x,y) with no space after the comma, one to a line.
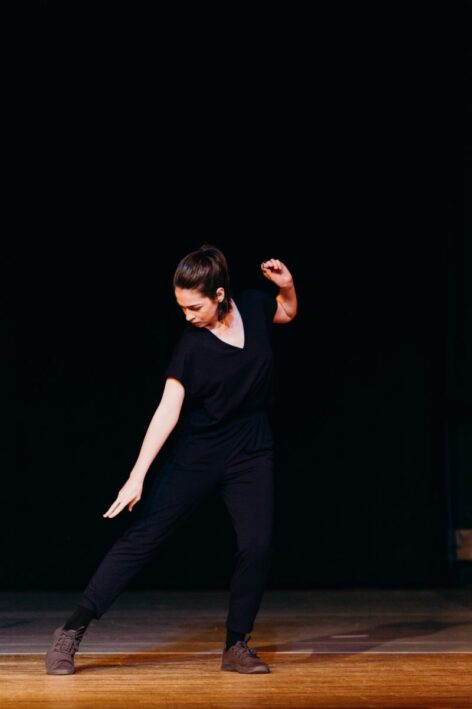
(330,648)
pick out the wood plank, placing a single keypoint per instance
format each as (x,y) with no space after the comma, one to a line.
(383,681)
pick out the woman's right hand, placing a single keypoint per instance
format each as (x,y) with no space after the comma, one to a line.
(128,496)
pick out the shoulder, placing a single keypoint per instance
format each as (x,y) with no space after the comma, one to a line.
(255,295)
(260,299)
(258,295)
(187,339)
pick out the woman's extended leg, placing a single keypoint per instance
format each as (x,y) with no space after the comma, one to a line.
(172,498)
(172,501)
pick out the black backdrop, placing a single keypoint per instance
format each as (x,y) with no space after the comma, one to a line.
(330,141)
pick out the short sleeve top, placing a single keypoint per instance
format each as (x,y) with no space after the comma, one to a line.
(221,380)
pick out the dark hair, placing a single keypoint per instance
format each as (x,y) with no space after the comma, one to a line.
(205,270)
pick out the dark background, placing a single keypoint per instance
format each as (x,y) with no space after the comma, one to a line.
(337,140)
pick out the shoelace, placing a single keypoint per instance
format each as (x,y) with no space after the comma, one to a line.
(242,647)
(69,643)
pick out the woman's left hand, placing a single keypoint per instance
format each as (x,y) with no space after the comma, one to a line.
(277,272)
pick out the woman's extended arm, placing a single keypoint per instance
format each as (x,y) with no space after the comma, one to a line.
(162,423)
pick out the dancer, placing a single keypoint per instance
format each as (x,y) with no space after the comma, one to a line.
(222,369)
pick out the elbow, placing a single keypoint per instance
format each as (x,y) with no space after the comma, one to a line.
(170,412)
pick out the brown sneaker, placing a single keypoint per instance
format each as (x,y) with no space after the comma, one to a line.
(60,656)
(241,658)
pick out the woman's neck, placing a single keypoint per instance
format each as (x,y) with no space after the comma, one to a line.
(227,324)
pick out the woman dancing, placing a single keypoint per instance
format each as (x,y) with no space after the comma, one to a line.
(222,365)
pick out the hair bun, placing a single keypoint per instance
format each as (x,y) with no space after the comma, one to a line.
(206,248)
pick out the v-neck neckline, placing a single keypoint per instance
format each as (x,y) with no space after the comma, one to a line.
(234,347)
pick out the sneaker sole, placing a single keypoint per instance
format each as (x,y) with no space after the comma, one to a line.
(245,670)
(59,672)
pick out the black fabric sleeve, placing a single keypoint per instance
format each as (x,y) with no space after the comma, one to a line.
(269,304)
(179,364)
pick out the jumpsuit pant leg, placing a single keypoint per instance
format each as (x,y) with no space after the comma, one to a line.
(247,490)
(242,470)
(173,496)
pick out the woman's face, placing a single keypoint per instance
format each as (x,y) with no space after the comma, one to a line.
(198,309)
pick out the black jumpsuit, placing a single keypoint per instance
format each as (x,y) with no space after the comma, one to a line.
(224,440)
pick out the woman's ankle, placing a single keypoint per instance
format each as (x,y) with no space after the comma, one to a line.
(80,617)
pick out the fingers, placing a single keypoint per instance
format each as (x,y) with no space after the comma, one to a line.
(271,263)
(118,506)
(115,508)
